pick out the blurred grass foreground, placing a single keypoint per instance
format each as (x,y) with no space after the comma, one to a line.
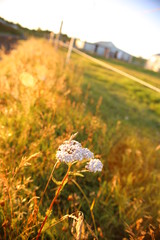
(43,102)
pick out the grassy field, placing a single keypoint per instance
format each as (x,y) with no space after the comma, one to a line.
(43,102)
(135,70)
(135,106)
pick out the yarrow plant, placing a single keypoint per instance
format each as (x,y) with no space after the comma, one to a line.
(70,152)
(95,165)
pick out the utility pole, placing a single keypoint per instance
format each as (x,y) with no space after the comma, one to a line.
(69,50)
(58,36)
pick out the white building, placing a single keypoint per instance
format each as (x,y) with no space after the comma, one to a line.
(109,49)
(89,47)
(153,63)
(105,49)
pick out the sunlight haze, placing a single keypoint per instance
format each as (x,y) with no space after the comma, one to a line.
(130,25)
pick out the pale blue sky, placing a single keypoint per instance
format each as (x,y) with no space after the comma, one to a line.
(132,25)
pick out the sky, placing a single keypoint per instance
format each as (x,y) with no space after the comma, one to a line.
(132,25)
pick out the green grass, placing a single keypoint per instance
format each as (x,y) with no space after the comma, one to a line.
(137,107)
(132,114)
(135,70)
(115,118)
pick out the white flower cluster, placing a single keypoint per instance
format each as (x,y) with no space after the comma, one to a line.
(71,151)
(95,165)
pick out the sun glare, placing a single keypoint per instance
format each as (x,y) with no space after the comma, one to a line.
(90,20)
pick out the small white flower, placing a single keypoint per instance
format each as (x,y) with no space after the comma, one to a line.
(87,154)
(95,165)
(71,151)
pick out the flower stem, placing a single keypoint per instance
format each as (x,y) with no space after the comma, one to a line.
(48,182)
(92,215)
(53,201)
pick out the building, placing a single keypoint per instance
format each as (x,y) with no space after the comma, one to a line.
(153,63)
(104,49)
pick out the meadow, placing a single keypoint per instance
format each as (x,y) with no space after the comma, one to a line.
(135,69)
(43,101)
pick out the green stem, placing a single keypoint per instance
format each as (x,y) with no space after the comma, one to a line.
(48,182)
(92,215)
(53,201)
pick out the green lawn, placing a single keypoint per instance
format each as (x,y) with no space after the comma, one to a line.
(136,106)
(135,70)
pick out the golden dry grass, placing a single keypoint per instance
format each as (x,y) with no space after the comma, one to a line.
(38,111)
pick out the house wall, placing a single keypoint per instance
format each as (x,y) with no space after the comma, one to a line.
(106,53)
(124,56)
(89,47)
(113,52)
(100,51)
(119,55)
